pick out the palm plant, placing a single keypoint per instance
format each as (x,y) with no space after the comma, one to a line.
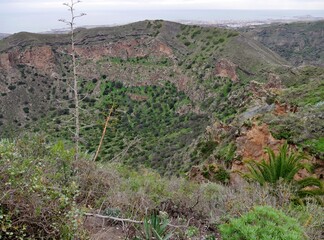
(283,167)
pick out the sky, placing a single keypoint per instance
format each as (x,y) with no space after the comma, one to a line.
(42,15)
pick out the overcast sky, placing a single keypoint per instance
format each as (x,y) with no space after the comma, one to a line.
(42,15)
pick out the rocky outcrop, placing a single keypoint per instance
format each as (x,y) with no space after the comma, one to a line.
(40,57)
(274,82)
(5,61)
(252,141)
(124,49)
(225,68)
(255,111)
(250,146)
(284,108)
(216,131)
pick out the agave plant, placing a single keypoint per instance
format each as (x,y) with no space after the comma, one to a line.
(156,227)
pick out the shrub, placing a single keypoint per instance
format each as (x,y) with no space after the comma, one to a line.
(222,175)
(38,191)
(262,223)
(26,109)
(206,148)
(12,87)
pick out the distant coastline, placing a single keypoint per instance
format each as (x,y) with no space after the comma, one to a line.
(218,18)
(217,23)
(221,18)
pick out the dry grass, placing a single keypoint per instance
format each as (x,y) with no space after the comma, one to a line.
(46,195)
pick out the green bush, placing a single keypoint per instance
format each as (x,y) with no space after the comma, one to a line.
(38,190)
(222,175)
(262,223)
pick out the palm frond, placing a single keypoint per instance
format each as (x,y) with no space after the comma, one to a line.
(284,166)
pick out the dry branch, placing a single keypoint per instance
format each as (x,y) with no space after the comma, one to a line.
(103,132)
(131,220)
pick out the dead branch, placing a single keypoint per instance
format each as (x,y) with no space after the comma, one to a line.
(131,220)
(113,218)
(103,133)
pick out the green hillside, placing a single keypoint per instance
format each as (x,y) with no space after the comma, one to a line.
(299,43)
(191,110)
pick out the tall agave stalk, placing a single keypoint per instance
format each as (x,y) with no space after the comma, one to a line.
(71,24)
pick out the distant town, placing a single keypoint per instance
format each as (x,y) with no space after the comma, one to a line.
(250,23)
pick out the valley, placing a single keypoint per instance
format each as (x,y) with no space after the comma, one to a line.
(192,102)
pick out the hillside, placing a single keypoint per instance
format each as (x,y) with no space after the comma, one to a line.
(300,43)
(166,82)
(191,111)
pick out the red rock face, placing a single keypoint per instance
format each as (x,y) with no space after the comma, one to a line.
(126,49)
(225,68)
(250,146)
(4,61)
(164,49)
(283,109)
(41,58)
(251,143)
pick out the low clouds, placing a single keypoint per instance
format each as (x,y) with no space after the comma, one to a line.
(18,5)
(207,4)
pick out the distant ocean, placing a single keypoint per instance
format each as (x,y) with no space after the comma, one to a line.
(205,15)
(46,21)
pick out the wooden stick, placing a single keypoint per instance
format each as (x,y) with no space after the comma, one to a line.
(131,220)
(103,133)
(113,218)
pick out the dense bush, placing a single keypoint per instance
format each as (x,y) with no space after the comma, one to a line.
(38,191)
(262,223)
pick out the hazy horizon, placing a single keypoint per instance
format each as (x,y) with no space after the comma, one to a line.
(43,15)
